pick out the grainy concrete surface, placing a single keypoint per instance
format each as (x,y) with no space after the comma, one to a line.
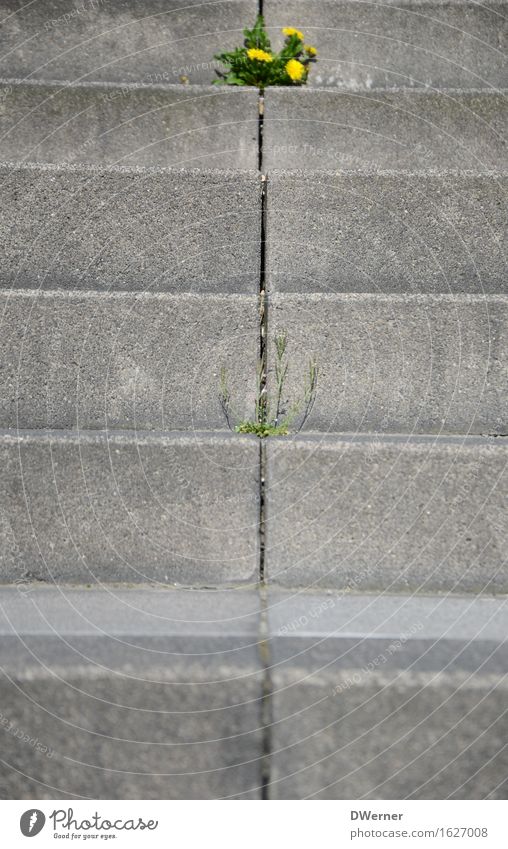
(108,124)
(125,360)
(86,507)
(125,229)
(411,130)
(409,233)
(121,41)
(361,45)
(397,363)
(387,514)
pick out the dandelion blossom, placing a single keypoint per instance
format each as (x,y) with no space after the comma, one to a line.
(289,31)
(295,69)
(260,55)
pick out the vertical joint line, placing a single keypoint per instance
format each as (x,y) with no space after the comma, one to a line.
(264,640)
(261,122)
(263,304)
(264,636)
(263,366)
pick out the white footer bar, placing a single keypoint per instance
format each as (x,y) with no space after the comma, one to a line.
(244,825)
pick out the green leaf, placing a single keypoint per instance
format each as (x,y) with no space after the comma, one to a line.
(257,37)
(234,79)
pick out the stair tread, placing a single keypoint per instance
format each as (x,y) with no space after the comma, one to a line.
(103,123)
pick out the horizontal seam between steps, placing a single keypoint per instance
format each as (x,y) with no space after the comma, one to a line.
(209,88)
(123,294)
(98,85)
(43,435)
(277,593)
(402,440)
(465,174)
(390,297)
(127,294)
(11,166)
(321,439)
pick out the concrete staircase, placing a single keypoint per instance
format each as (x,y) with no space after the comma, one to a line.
(190,613)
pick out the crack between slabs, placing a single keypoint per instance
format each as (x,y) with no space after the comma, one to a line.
(264,637)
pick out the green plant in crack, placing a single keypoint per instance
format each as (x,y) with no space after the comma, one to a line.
(258,65)
(272,415)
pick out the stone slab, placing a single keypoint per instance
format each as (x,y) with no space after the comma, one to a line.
(441,43)
(124,360)
(419,736)
(169,509)
(383,697)
(408,233)
(392,130)
(153,125)
(117,40)
(397,363)
(130,694)
(387,514)
(345,628)
(124,228)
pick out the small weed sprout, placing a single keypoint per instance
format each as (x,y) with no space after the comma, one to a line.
(225,396)
(256,64)
(270,417)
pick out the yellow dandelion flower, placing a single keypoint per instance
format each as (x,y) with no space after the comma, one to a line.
(310,49)
(260,55)
(292,31)
(295,69)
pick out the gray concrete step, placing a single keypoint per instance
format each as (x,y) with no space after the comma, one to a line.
(125,228)
(358,231)
(130,694)
(387,514)
(86,507)
(387,363)
(124,360)
(400,42)
(388,697)
(107,124)
(402,129)
(374,697)
(397,363)
(119,40)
